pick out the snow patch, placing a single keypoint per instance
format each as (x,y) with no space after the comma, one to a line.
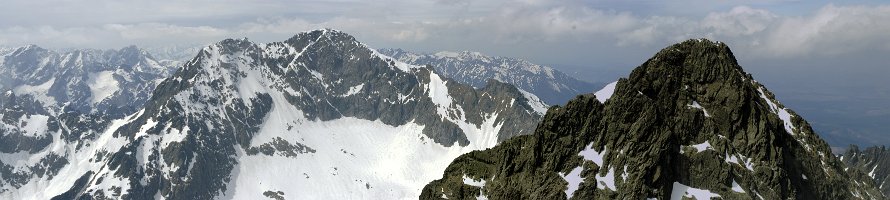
(781,112)
(698,106)
(354,90)
(606,181)
(736,187)
(38,91)
(872,173)
(437,90)
(679,191)
(746,162)
(102,85)
(174,135)
(537,105)
(34,125)
(574,179)
(604,94)
(592,155)
(698,147)
(143,130)
(473,182)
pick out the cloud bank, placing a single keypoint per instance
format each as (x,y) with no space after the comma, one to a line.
(450,24)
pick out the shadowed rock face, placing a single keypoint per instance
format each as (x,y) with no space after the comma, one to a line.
(687,122)
(874,162)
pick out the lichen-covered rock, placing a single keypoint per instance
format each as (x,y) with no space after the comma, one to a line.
(689,122)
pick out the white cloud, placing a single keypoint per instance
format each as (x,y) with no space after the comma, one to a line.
(740,21)
(831,30)
(159,31)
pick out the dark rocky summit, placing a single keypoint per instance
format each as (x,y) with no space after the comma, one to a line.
(689,122)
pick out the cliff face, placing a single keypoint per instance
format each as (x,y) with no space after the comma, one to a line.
(873,162)
(689,122)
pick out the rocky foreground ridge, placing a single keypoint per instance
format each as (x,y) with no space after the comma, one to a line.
(687,123)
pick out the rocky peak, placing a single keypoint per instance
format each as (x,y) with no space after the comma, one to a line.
(319,93)
(688,122)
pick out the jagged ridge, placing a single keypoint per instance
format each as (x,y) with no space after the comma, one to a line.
(318,112)
(687,122)
(873,162)
(476,69)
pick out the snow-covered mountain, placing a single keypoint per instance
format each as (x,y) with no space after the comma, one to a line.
(112,81)
(49,99)
(474,68)
(4,50)
(318,116)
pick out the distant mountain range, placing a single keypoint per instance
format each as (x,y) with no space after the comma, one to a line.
(474,68)
(54,104)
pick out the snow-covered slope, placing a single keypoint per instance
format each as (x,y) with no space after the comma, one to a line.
(84,80)
(54,106)
(318,116)
(474,68)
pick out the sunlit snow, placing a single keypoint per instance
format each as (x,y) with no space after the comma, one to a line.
(679,191)
(470,181)
(604,94)
(592,155)
(736,187)
(607,180)
(574,179)
(102,85)
(537,105)
(698,106)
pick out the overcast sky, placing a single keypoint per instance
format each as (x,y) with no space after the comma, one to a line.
(574,35)
(826,58)
(608,32)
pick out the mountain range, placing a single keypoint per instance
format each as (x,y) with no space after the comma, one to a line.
(323,116)
(54,103)
(475,69)
(318,112)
